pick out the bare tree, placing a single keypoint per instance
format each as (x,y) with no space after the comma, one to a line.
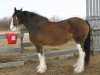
(5,23)
(54,19)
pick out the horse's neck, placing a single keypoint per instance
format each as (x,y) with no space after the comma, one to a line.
(32,23)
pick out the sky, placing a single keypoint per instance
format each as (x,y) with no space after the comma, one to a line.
(47,8)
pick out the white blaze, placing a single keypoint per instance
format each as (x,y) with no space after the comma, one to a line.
(12,27)
(16,28)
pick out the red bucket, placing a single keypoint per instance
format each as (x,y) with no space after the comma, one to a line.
(12,38)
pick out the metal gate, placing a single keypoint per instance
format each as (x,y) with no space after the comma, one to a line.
(93,16)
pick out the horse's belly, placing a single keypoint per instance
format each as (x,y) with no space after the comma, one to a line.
(57,40)
(51,39)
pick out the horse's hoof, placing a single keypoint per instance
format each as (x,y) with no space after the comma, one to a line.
(38,66)
(42,69)
(76,65)
(78,70)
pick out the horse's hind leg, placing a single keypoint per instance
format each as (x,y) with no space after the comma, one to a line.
(79,66)
(42,65)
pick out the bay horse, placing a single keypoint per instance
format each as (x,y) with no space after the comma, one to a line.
(44,32)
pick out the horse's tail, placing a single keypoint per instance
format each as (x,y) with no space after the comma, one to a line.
(87,46)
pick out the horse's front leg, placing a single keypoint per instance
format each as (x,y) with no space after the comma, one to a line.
(42,64)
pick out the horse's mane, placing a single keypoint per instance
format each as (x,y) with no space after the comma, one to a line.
(35,15)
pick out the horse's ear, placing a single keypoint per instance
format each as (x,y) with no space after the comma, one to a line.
(15,9)
(21,9)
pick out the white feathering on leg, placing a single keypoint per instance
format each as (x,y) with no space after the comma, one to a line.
(42,65)
(79,67)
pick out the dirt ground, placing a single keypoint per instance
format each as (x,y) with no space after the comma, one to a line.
(56,66)
(62,65)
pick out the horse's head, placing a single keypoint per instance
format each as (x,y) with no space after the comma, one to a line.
(16,22)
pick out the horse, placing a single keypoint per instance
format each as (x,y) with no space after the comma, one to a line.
(43,32)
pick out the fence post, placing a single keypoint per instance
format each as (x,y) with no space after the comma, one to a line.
(22,31)
(21,40)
